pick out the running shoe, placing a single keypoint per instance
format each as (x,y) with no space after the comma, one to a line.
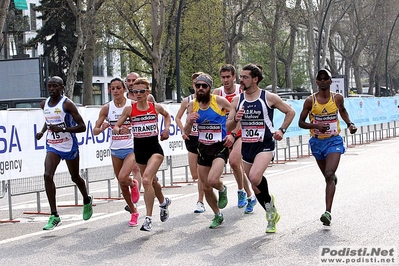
(164,212)
(222,198)
(242,199)
(326,218)
(250,206)
(88,209)
(147,225)
(217,220)
(133,219)
(199,208)
(52,223)
(272,216)
(135,192)
(127,208)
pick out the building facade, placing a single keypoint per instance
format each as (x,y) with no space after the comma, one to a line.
(22,24)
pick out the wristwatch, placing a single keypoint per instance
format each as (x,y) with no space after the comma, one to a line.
(282,130)
(350,124)
(234,135)
(63,130)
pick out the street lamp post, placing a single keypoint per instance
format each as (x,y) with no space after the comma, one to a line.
(386,57)
(320,34)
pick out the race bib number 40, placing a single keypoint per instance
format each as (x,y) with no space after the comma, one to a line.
(210,133)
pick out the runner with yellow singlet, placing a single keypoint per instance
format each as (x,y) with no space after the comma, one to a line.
(326,144)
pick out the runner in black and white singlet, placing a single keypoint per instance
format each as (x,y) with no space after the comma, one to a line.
(121,145)
(246,197)
(253,109)
(256,127)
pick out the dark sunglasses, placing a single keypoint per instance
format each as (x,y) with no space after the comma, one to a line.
(198,85)
(137,91)
(321,79)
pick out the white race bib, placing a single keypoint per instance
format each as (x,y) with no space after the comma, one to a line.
(252,131)
(210,133)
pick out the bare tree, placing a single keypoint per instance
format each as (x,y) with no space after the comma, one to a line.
(74,65)
(287,53)
(309,24)
(153,48)
(351,20)
(90,27)
(275,25)
(84,12)
(235,15)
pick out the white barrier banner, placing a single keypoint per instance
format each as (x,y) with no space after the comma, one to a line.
(21,155)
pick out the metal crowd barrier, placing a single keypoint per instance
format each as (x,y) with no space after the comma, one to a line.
(2,189)
(35,184)
(289,149)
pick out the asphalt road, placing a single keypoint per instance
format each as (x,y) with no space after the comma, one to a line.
(365,214)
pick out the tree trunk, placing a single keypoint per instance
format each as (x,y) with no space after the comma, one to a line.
(311,53)
(73,68)
(88,66)
(85,30)
(273,44)
(234,17)
(4,4)
(290,57)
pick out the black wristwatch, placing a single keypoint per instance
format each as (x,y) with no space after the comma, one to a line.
(282,130)
(234,135)
(63,130)
(350,124)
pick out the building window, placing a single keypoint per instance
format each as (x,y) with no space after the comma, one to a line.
(97,94)
(98,68)
(110,68)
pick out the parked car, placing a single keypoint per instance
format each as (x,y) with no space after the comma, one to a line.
(21,103)
(294,95)
(360,95)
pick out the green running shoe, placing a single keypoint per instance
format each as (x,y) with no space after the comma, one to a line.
(326,218)
(272,216)
(88,209)
(223,198)
(52,223)
(271,225)
(217,220)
